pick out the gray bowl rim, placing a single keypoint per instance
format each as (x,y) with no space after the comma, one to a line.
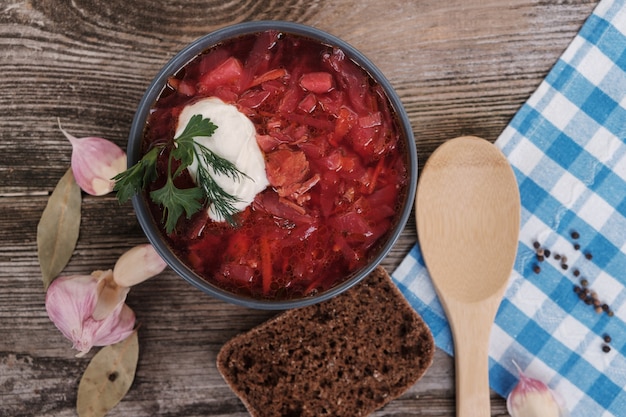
(186,55)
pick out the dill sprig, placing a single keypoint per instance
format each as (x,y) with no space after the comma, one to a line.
(223,203)
(176,201)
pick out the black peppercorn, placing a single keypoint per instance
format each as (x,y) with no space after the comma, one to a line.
(536,269)
(588,255)
(575,235)
(546,253)
(607,338)
(606,348)
(536,245)
(576,246)
(576,272)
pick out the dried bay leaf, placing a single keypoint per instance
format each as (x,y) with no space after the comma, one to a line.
(58,228)
(108,378)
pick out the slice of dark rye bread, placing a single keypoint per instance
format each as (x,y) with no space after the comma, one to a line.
(344,357)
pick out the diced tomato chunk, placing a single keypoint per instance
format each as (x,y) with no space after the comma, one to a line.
(369,142)
(253,98)
(317,82)
(226,73)
(350,223)
(290,101)
(370,120)
(308,103)
(332,102)
(267,143)
(346,120)
(361,140)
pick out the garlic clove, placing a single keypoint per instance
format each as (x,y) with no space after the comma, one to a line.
(95,161)
(114,328)
(137,265)
(532,398)
(110,295)
(70,302)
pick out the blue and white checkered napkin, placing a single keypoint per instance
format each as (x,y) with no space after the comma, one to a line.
(567,146)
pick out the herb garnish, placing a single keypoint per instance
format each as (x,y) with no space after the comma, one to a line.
(176,201)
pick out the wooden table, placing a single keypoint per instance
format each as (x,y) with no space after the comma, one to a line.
(460,67)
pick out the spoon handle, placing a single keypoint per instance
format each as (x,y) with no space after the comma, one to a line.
(471,329)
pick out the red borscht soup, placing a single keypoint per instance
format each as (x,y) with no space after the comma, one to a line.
(334,159)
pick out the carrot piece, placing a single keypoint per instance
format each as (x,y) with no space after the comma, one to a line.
(266,264)
(268,76)
(377,171)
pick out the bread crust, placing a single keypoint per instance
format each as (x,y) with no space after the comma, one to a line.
(344,357)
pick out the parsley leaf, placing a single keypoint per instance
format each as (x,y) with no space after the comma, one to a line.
(184,150)
(197,127)
(129,182)
(175,201)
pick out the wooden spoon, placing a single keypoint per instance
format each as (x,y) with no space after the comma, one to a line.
(468,219)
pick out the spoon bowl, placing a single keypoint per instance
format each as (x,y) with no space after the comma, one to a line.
(468,216)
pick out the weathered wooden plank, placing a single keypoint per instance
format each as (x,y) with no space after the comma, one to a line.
(460,67)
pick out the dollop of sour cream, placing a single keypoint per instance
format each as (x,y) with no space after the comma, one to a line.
(234,140)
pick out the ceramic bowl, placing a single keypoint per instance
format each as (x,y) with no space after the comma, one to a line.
(151,225)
